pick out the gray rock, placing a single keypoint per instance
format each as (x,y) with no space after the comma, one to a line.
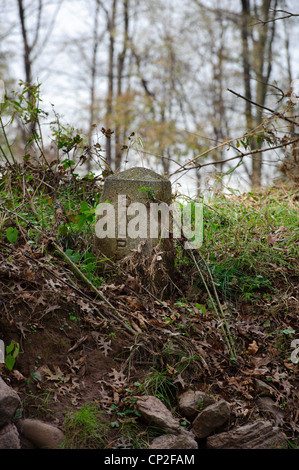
(258,435)
(9,437)
(156,414)
(42,435)
(9,402)
(211,418)
(183,440)
(193,402)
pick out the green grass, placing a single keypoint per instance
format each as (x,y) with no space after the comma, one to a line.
(86,428)
(91,428)
(251,243)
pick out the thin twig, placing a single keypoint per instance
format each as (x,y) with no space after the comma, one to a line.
(286,16)
(272,111)
(6,141)
(227,335)
(252,152)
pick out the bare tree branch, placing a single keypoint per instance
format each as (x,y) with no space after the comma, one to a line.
(286,16)
(190,164)
(274,113)
(235,157)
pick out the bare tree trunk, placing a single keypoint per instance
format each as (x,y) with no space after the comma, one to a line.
(263,59)
(111,31)
(33,49)
(120,70)
(246,61)
(93,77)
(259,67)
(28,133)
(27,48)
(290,165)
(220,123)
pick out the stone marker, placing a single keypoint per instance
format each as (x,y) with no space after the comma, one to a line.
(130,223)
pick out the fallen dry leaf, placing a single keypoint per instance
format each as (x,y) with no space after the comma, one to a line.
(17,375)
(133,303)
(78,343)
(158,323)
(253,348)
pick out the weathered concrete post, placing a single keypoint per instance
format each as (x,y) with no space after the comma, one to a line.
(122,191)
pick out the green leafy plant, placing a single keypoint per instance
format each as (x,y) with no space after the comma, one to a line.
(86,215)
(149,191)
(12,351)
(72,255)
(12,234)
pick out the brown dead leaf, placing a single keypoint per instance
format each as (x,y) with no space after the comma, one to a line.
(253,348)
(118,377)
(115,398)
(17,375)
(142,321)
(132,282)
(57,375)
(171,370)
(85,307)
(52,308)
(275,236)
(134,304)
(41,300)
(103,343)
(27,296)
(80,341)
(158,323)
(180,380)
(135,326)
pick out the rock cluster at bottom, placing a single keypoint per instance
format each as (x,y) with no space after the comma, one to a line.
(208,416)
(28,433)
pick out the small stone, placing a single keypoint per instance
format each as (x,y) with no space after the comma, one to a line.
(258,435)
(42,435)
(9,402)
(9,437)
(193,402)
(156,414)
(183,440)
(211,418)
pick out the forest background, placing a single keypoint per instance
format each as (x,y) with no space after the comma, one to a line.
(156,82)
